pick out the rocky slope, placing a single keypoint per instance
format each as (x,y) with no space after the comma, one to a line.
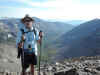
(70,66)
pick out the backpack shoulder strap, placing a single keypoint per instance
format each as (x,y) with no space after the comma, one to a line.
(22,30)
(34,31)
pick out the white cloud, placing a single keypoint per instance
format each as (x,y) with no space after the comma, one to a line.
(61,9)
(50,3)
(67,9)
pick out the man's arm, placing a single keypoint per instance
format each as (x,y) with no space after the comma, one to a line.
(18,39)
(19,43)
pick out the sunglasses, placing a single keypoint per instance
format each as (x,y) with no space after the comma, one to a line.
(27,20)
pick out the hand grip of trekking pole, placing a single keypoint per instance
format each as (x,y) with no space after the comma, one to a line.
(41,36)
(41,33)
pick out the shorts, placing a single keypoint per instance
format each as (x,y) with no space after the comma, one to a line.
(28,59)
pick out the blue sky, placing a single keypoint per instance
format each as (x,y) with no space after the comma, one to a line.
(51,9)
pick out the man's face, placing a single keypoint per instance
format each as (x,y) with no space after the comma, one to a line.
(28,24)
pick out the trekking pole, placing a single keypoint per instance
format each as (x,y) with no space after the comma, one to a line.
(23,59)
(23,70)
(40,53)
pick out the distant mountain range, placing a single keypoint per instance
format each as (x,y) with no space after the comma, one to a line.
(72,22)
(76,22)
(51,29)
(83,40)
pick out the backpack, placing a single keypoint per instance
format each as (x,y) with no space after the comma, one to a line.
(34,30)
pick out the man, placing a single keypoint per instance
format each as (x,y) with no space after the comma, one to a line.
(26,41)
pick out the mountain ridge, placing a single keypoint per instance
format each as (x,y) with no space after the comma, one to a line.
(79,40)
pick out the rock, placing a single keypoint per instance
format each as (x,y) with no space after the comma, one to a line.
(86,69)
(98,68)
(54,69)
(72,72)
(69,72)
(60,73)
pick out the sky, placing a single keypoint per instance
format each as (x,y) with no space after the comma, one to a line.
(51,9)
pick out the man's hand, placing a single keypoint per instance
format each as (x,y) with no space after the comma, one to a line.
(20,45)
(40,35)
(23,38)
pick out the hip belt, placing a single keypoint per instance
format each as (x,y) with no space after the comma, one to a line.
(29,50)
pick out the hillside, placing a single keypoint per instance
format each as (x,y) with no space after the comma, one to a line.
(83,40)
